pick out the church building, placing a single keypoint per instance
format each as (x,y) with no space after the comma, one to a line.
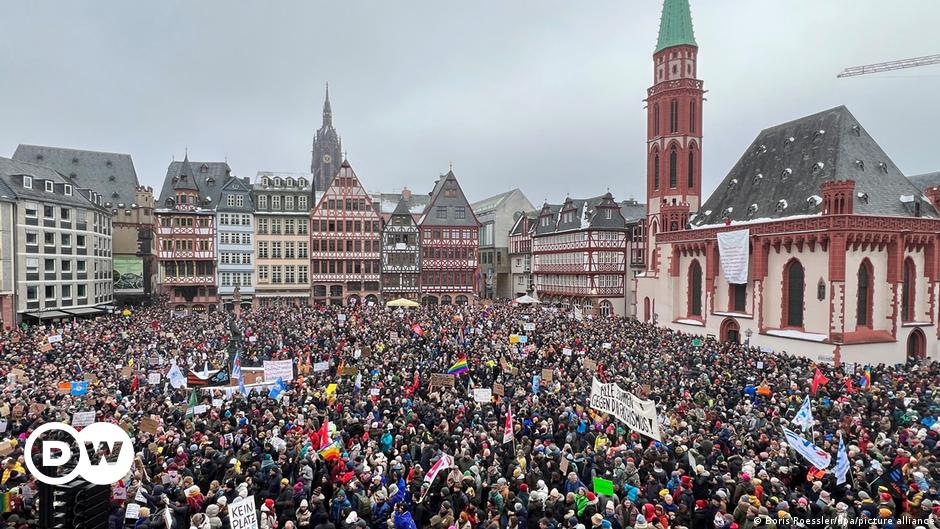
(815,243)
(327,150)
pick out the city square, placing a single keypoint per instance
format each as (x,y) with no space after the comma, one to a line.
(342,347)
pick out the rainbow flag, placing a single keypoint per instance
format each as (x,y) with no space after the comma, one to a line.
(865,381)
(330,451)
(460,366)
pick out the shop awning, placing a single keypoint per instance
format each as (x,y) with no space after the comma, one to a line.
(83,311)
(48,314)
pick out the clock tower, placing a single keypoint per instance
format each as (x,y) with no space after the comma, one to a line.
(327,149)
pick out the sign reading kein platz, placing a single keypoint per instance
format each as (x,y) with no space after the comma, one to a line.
(242,514)
(636,413)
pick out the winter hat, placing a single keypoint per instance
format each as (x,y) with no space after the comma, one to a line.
(597,519)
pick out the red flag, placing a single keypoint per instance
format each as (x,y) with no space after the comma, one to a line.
(417,329)
(443,463)
(324,434)
(819,379)
(135,383)
(848,385)
(507,429)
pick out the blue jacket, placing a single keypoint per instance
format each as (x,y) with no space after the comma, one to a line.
(403,521)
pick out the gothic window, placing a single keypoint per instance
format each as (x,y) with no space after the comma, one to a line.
(691,179)
(656,119)
(673,169)
(739,297)
(864,302)
(907,290)
(656,171)
(674,116)
(692,116)
(793,279)
(695,289)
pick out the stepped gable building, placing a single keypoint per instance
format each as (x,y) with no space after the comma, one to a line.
(401,253)
(55,247)
(345,243)
(282,204)
(327,149)
(496,216)
(579,255)
(111,175)
(186,229)
(450,234)
(235,221)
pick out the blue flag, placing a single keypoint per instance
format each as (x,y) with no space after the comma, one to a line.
(842,463)
(804,417)
(237,366)
(79,388)
(277,389)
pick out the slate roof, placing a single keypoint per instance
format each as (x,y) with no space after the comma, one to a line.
(387,203)
(439,198)
(517,223)
(585,215)
(926,180)
(781,173)
(632,210)
(237,186)
(111,175)
(11,172)
(209,178)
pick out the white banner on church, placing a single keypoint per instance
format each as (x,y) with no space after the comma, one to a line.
(636,413)
(733,250)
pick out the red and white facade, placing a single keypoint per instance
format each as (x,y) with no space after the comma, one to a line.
(345,243)
(579,256)
(450,235)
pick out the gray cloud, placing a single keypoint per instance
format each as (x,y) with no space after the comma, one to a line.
(543,95)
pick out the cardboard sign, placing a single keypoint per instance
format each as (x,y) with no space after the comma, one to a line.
(153,378)
(483,395)
(4,410)
(443,379)
(82,418)
(393,335)
(45,348)
(349,371)
(563,465)
(36,408)
(242,514)
(499,389)
(91,378)
(149,425)
(127,371)
(590,364)
(547,375)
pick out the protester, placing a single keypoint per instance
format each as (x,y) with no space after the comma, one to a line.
(354,438)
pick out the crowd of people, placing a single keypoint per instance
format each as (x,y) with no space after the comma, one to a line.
(722,462)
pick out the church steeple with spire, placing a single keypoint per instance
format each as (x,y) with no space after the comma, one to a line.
(327,149)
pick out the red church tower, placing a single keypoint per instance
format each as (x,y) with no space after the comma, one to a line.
(674,125)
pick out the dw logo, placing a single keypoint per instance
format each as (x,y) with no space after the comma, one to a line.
(97,443)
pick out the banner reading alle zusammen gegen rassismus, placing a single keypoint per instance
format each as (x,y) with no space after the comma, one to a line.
(636,413)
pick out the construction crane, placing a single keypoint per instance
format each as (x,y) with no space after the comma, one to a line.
(890,65)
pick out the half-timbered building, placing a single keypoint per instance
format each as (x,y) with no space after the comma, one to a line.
(345,243)
(520,253)
(401,254)
(450,234)
(579,255)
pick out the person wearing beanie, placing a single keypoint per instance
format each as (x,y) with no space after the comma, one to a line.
(212,513)
(267,519)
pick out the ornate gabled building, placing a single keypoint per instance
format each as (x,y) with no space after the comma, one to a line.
(327,149)
(235,221)
(111,175)
(282,203)
(345,235)
(186,234)
(401,253)
(450,234)
(579,255)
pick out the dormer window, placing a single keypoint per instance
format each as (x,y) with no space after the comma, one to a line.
(883,166)
(74,160)
(786,174)
(760,149)
(751,210)
(115,194)
(27,182)
(781,205)
(203,168)
(210,181)
(862,197)
(265,182)
(290,182)
(860,165)
(302,182)
(818,167)
(758,178)
(108,163)
(49,186)
(819,134)
(277,182)
(857,130)
(733,183)
(726,214)
(68,190)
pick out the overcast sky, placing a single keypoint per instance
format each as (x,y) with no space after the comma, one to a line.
(544,95)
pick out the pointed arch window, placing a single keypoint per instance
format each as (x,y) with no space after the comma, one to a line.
(673,169)
(656,119)
(863,303)
(692,116)
(656,171)
(794,285)
(691,178)
(907,290)
(695,289)
(674,116)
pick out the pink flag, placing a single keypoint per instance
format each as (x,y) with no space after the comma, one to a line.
(507,430)
(443,463)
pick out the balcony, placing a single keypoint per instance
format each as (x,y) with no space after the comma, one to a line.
(186,255)
(189,280)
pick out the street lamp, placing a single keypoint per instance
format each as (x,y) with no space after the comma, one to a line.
(747,337)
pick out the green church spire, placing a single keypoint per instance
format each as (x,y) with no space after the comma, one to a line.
(675,26)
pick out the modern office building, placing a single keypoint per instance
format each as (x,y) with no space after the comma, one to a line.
(497,216)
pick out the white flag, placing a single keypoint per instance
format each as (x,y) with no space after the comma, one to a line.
(818,457)
(842,463)
(804,417)
(507,430)
(177,380)
(692,463)
(443,463)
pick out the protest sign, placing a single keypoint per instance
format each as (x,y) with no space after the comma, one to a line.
(392,335)
(341,317)
(638,414)
(563,465)
(82,418)
(252,339)
(442,379)
(127,371)
(513,338)
(499,389)
(590,364)
(606,345)
(482,395)
(528,326)
(375,392)
(547,375)
(200,409)
(217,403)
(149,425)
(321,366)
(54,338)
(36,408)
(566,351)
(603,486)
(242,514)
(153,378)
(349,371)
(275,369)
(132,512)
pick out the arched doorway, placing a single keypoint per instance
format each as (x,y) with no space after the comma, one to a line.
(730,331)
(371,298)
(606,309)
(916,346)
(461,300)
(445,300)
(430,300)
